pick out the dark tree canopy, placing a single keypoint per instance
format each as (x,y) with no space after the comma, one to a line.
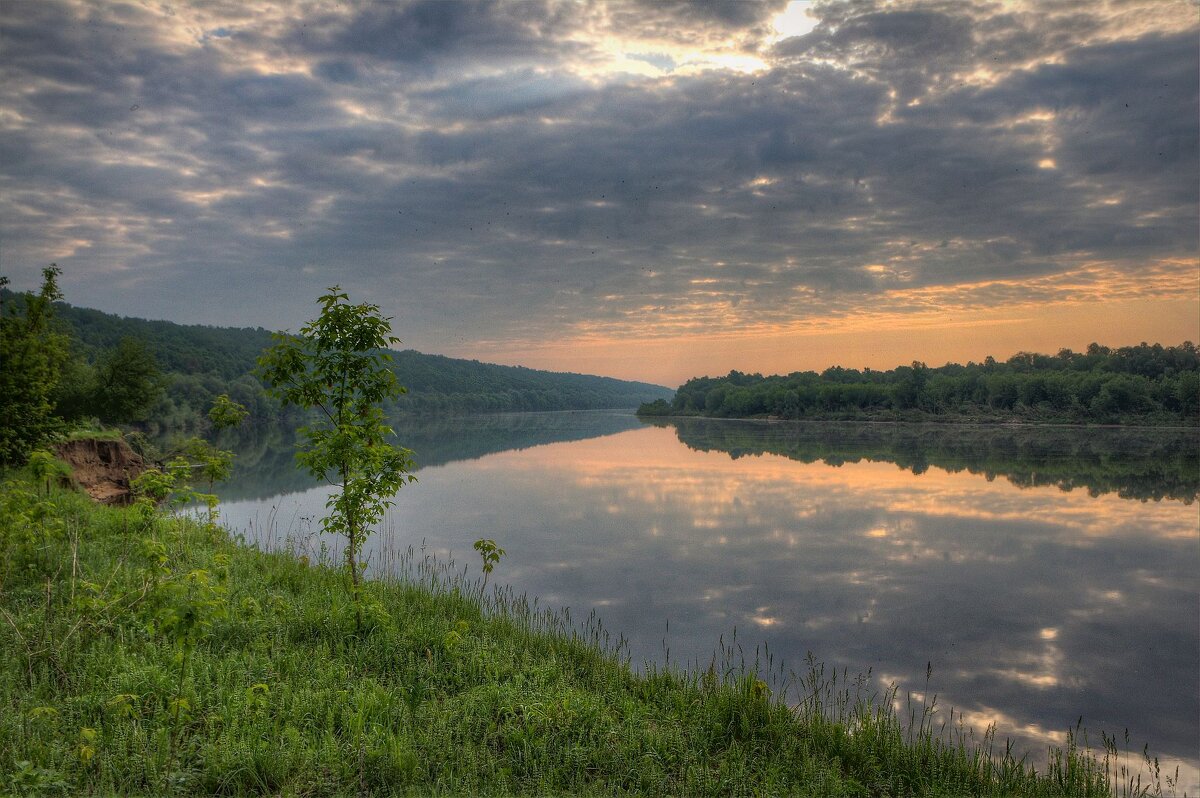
(127,383)
(32,354)
(201,363)
(1143,384)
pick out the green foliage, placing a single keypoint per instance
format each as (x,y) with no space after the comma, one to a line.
(336,365)
(46,377)
(207,461)
(75,396)
(490,553)
(173,487)
(226,413)
(195,459)
(46,468)
(185,608)
(127,383)
(32,354)
(659,407)
(154,485)
(28,779)
(1144,384)
(31,528)
(202,363)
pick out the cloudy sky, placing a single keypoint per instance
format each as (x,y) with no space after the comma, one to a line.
(651,190)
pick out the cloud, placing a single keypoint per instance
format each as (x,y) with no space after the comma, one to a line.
(498,172)
(424,35)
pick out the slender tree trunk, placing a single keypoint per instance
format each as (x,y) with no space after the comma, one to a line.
(354,584)
(351,556)
(174,736)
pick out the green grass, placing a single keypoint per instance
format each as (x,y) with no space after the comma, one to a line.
(149,655)
(93,431)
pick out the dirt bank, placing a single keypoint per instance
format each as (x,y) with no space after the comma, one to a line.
(103,468)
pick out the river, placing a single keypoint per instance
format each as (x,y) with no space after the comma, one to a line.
(1028,577)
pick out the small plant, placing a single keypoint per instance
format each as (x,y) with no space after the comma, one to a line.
(85,747)
(210,463)
(187,608)
(172,486)
(452,638)
(32,524)
(29,779)
(125,705)
(202,459)
(257,696)
(153,486)
(45,468)
(490,553)
(226,413)
(337,365)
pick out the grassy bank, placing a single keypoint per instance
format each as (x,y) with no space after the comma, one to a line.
(145,654)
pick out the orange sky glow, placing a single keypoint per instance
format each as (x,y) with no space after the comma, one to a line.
(881,342)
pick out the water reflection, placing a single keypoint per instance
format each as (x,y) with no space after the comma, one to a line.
(1033,605)
(1133,463)
(264,465)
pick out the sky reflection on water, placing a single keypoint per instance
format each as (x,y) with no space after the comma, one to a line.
(1034,606)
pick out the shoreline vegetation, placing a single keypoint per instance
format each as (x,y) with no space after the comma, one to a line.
(1143,385)
(152,653)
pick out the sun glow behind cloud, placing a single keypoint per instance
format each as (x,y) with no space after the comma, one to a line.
(939,323)
(795,20)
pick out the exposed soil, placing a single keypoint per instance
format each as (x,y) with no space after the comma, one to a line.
(103,468)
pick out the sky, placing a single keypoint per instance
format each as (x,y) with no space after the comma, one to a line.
(646,190)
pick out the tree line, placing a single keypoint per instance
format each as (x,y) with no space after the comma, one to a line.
(1143,384)
(162,376)
(62,365)
(202,362)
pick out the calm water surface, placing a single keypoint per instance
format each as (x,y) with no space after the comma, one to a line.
(1043,575)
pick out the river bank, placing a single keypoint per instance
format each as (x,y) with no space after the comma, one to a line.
(151,653)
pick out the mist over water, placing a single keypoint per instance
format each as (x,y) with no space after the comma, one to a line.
(1042,575)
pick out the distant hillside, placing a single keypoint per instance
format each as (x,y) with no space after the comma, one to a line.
(226,352)
(204,361)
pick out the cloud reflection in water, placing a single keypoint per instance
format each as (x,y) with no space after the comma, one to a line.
(1035,606)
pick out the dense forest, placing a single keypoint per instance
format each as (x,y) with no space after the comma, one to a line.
(197,363)
(1144,384)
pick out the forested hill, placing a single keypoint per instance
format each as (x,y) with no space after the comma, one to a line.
(1144,384)
(202,362)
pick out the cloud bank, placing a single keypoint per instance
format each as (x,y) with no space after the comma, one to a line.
(501,174)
